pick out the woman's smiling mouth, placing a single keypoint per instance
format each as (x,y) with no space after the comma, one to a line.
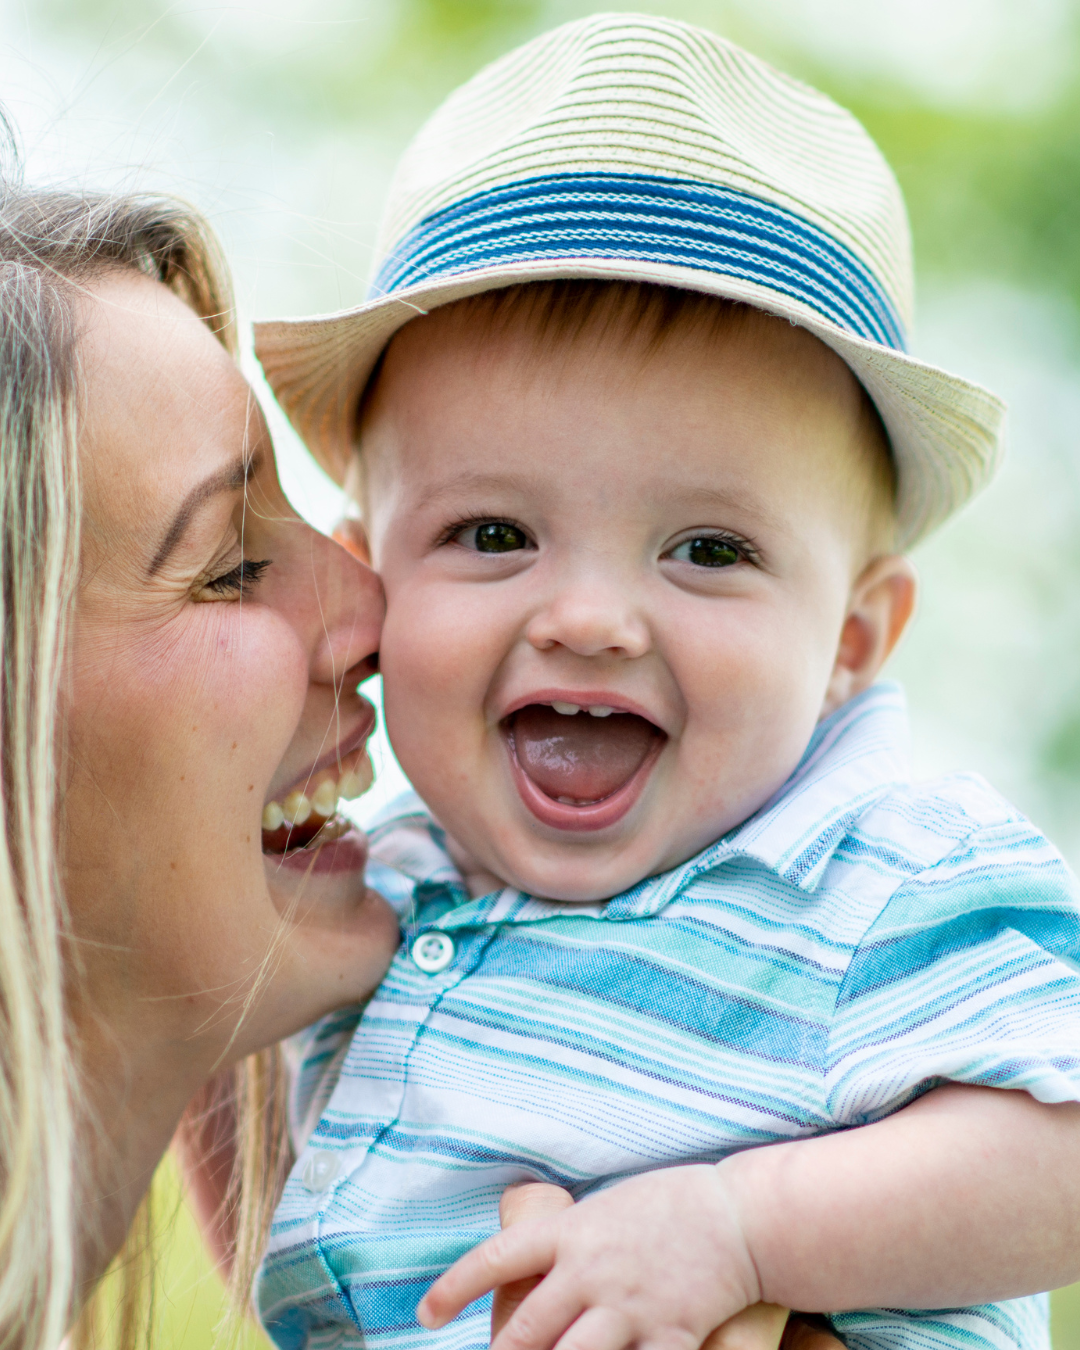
(580,766)
(304,816)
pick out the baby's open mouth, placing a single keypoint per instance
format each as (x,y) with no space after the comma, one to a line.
(580,756)
(304,819)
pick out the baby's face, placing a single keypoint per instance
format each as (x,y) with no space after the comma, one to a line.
(617,585)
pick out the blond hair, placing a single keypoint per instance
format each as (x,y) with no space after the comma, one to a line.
(51,243)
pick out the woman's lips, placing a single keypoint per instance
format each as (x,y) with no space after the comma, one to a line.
(580,772)
(345,755)
(295,821)
(346,852)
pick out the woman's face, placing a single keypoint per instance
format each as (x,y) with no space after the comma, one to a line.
(217,645)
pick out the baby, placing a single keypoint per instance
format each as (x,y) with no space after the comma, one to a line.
(639,486)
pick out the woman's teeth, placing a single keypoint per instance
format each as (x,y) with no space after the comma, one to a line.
(595,710)
(297,819)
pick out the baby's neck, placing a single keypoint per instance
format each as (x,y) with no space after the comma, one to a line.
(477,880)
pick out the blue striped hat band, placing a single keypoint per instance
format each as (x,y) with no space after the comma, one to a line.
(640,218)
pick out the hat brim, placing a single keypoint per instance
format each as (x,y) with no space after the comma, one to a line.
(945,432)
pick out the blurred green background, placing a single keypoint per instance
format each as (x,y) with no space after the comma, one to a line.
(283,120)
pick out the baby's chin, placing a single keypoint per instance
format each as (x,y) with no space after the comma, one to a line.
(573,874)
(582,868)
(497,843)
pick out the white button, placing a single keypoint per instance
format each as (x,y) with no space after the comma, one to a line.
(433,952)
(321,1170)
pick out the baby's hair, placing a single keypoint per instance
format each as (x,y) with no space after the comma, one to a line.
(641,317)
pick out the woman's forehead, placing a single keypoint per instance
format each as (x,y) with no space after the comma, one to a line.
(163,407)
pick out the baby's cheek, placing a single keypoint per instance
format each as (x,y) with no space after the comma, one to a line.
(423,662)
(751,710)
(442,645)
(437,668)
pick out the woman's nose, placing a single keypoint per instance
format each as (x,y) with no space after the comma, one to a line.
(350,607)
(592,615)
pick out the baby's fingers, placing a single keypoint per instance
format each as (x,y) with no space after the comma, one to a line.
(552,1316)
(809,1332)
(514,1254)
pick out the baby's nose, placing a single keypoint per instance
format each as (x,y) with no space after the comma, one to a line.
(592,618)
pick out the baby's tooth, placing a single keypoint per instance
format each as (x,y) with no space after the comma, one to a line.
(600,710)
(295,809)
(324,800)
(567,709)
(273,816)
(353,785)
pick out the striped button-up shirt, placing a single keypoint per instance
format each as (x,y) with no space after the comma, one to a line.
(857,941)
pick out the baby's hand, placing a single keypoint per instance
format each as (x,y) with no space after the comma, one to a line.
(657,1261)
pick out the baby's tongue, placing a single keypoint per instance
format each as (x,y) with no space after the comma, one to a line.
(581,757)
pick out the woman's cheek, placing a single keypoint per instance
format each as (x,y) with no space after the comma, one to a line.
(237,669)
(256,680)
(186,729)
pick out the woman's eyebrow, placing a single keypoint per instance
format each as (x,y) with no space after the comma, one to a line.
(231,479)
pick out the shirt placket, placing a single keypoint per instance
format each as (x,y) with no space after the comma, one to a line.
(431,962)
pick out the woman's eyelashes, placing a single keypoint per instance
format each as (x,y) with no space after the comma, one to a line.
(234,583)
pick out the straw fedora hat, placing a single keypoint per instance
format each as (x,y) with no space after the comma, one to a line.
(631,148)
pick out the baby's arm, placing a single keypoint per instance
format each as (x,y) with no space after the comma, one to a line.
(969,1195)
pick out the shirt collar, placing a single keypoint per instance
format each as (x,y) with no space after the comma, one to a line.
(854,758)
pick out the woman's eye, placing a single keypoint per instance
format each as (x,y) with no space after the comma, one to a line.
(707,551)
(238,581)
(495,536)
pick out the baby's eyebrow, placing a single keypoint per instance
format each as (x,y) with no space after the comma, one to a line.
(473,482)
(741,502)
(683,496)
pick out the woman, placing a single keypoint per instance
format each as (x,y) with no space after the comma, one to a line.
(179,651)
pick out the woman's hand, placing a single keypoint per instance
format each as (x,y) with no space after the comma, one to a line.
(531,1200)
(759,1327)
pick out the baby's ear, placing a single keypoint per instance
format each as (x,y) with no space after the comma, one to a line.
(881,605)
(352,537)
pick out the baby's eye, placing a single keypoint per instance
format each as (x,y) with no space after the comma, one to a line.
(494,536)
(706,551)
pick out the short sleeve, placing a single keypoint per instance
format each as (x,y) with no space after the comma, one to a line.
(970,973)
(1020,1324)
